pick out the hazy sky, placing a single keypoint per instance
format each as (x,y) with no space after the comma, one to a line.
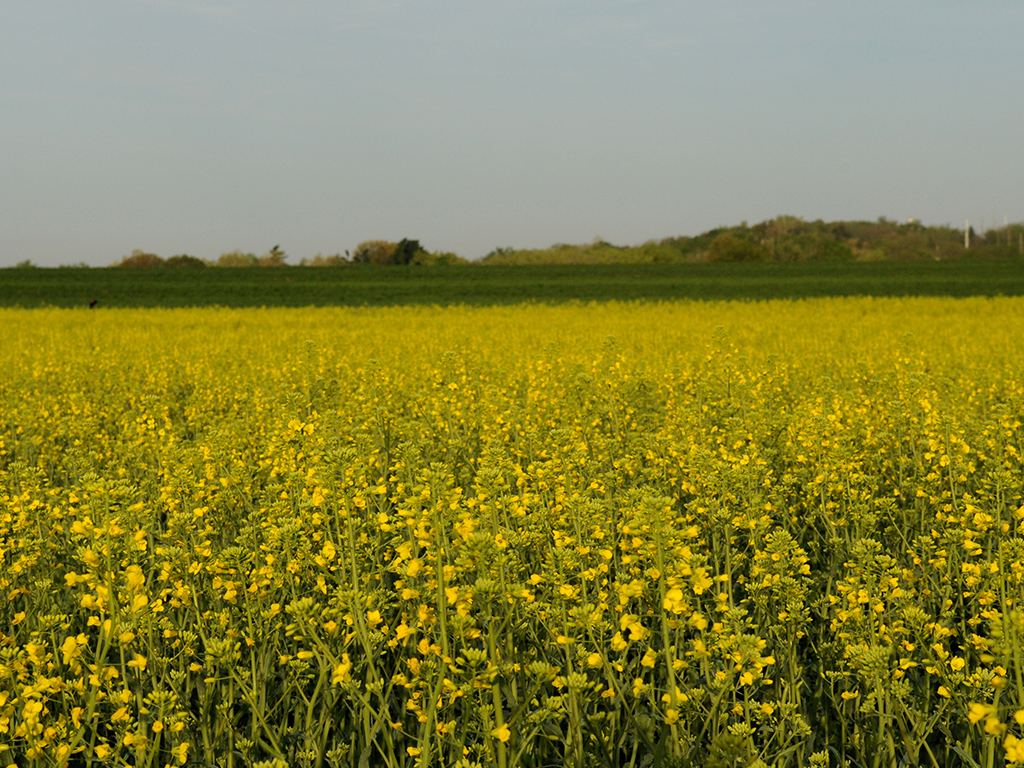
(183,126)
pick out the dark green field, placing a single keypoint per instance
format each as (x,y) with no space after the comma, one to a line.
(381,285)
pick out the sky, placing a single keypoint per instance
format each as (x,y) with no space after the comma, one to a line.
(184,126)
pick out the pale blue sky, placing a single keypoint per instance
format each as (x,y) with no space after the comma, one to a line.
(184,126)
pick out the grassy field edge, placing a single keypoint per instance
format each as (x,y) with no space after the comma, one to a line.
(369,285)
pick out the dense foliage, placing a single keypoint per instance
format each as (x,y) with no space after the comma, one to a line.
(784,533)
(787,238)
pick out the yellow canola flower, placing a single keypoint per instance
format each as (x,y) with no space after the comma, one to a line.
(680,697)
(342,672)
(135,577)
(978,712)
(71,649)
(674,600)
(631,622)
(994,726)
(36,652)
(701,581)
(502,733)
(180,753)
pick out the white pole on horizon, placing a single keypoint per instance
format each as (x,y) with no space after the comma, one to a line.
(967,234)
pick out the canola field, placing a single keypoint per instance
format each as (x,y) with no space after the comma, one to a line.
(622,534)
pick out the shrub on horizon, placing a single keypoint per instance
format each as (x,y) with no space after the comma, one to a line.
(184,260)
(237,259)
(337,260)
(140,258)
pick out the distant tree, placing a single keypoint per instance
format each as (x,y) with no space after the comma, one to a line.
(729,247)
(237,259)
(831,250)
(403,252)
(26,264)
(273,258)
(320,260)
(408,252)
(783,226)
(374,252)
(184,260)
(447,258)
(438,258)
(140,259)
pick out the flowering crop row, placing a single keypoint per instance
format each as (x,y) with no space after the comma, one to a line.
(783,533)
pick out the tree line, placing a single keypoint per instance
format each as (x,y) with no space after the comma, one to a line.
(368,252)
(782,239)
(787,238)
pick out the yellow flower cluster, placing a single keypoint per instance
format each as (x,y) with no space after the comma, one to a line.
(584,534)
